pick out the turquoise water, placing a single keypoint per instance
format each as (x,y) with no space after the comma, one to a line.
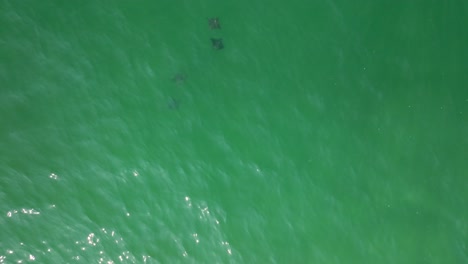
(323,132)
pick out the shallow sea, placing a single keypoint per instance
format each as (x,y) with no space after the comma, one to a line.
(324,131)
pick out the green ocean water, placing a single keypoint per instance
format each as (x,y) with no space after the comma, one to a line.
(324,132)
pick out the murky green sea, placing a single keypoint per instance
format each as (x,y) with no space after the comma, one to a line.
(325,131)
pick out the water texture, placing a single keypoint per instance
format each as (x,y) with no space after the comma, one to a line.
(321,132)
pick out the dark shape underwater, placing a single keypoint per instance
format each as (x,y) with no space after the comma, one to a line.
(217,43)
(179,78)
(214,23)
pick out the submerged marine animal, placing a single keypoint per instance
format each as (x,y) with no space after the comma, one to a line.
(214,23)
(179,78)
(217,43)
